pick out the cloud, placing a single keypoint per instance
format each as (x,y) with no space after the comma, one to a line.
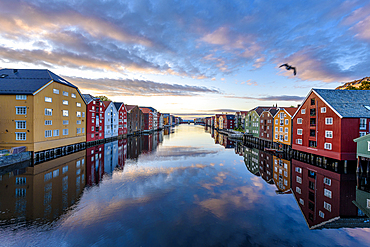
(128,87)
(271,98)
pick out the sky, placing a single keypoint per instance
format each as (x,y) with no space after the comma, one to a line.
(190,58)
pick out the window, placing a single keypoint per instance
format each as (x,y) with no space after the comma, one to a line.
(56,132)
(73,95)
(83,114)
(78,114)
(83,130)
(362,123)
(328,120)
(298,190)
(20,124)
(48,133)
(48,122)
(327,146)
(276,136)
(362,133)
(65,132)
(286,121)
(313,112)
(299,180)
(285,138)
(65,113)
(276,121)
(327,193)
(311,185)
(78,104)
(20,136)
(286,130)
(48,99)
(299,141)
(323,109)
(92,128)
(65,122)
(301,201)
(48,112)
(78,130)
(299,120)
(276,129)
(328,134)
(65,102)
(65,93)
(281,129)
(65,169)
(21,97)
(299,131)
(327,181)
(327,206)
(312,101)
(56,91)
(298,169)
(78,121)
(313,133)
(321,214)
(21,110)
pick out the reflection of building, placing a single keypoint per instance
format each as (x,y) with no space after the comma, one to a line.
(251,160)
(325,197)
(134,147)
(45,191)
(122,152)
(110,156)
(147,143)
(265,166)
(94,164)
(282,175)
(363,174)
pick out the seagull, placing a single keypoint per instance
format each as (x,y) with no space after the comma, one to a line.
(288,67)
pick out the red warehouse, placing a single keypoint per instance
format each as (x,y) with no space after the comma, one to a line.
(328,121)
(94,118)
(122,118)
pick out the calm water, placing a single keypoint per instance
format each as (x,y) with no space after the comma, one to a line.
(191,187)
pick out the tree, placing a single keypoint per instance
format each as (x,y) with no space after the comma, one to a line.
(103,98)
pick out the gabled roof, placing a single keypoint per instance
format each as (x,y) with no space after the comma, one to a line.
(289,110)
(149,107)
(27,81)
(118,105)
(230,116)
(145,110)
(106,103)
(130,107)
(88,98)
(345,103)
(260,109)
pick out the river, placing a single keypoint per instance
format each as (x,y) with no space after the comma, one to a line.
(186,186)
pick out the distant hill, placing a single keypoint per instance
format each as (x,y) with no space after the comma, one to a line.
(362,84)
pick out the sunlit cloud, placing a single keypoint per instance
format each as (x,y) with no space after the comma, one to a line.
(128,87)
(271,98)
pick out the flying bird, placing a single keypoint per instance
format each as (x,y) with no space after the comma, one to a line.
(289,67)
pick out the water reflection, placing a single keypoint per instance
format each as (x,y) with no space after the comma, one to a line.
(42,192)
(45,191)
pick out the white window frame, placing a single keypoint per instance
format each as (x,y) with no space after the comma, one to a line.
(327,181)
(327,206)
(73,95)
(20,136)
(48,99)
(48,112)
(323,109)
(329,121)
(327,193)
(19,110)
(298,190)
(299,131)
(286,121)
(298,169)
(78,114)
(55,132)
(65,113)
(65,102)
(328,134)
(78,104)
(20,97)
(299,179)
(65,93)
(299,141)
(48,122)
(65,132)
(303,111)
(299,120)
(20,125)
(56,91)
(78,122)
(65,122)
(48,133)
(328,146)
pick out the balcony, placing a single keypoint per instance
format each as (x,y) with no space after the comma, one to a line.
(313,112)
(312,133)
(312,122)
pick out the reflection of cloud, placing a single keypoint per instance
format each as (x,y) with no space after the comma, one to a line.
(127,87)
(176,151)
